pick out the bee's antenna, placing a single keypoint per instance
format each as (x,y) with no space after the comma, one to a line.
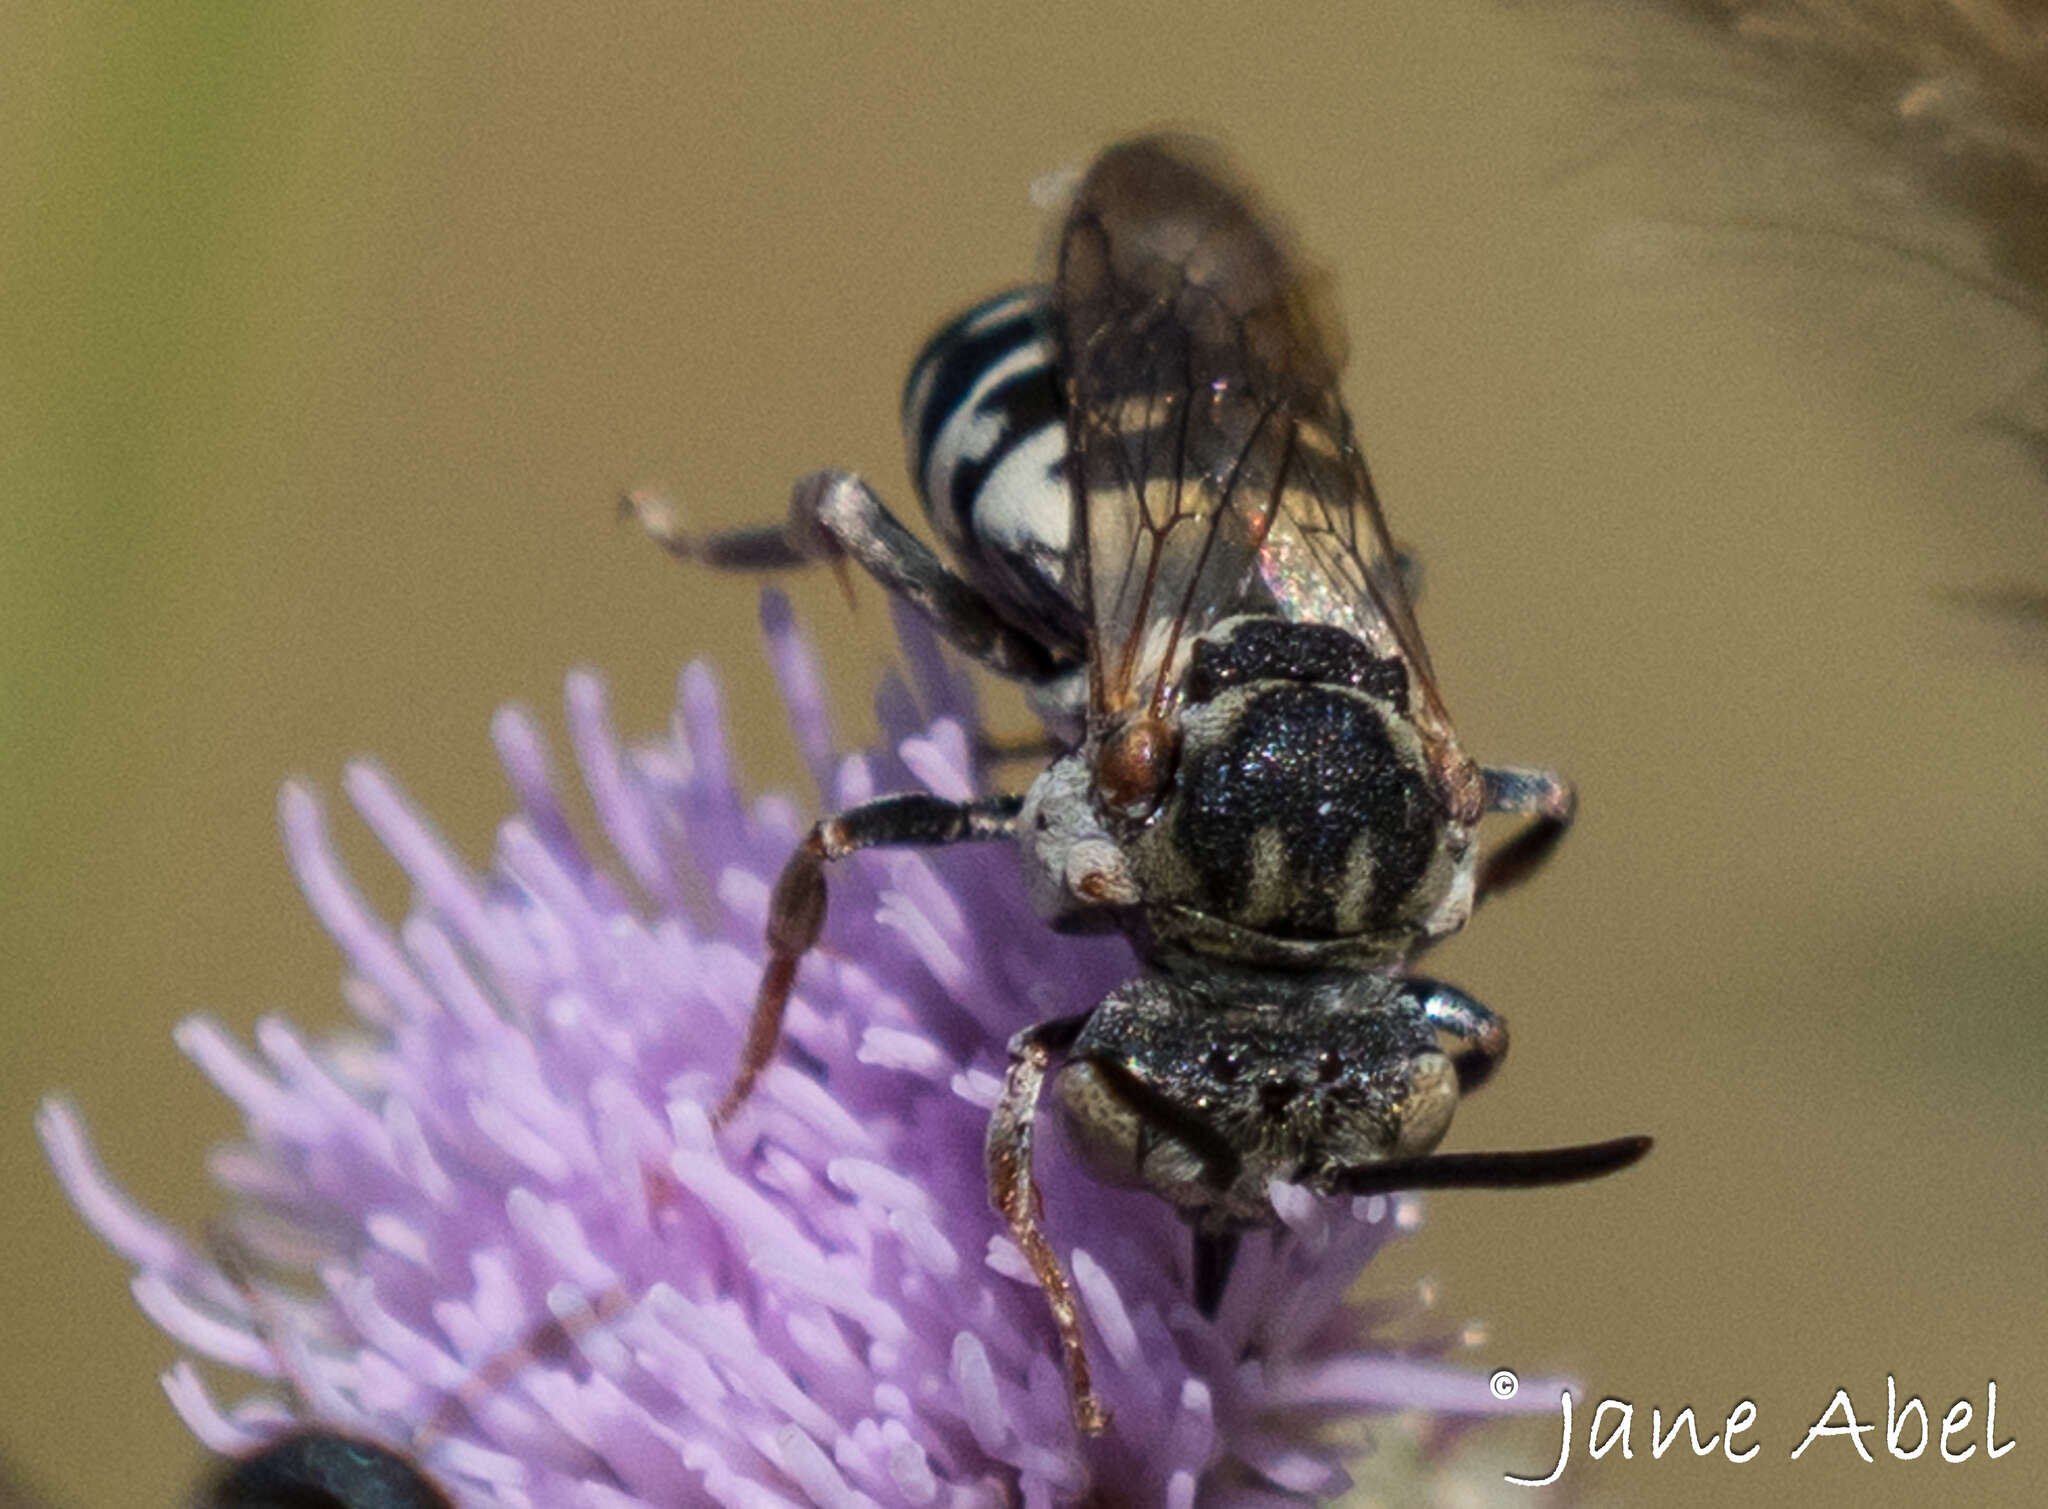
(1519,1170)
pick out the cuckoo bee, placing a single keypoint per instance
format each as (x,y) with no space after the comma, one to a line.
(1161,522)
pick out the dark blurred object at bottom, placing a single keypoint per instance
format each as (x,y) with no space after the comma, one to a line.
(316,1470)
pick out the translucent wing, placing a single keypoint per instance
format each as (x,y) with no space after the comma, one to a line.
(1214,469)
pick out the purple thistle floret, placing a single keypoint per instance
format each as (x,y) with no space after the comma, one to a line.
(814,1306)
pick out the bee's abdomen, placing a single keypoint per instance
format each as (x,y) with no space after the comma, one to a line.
(984,422)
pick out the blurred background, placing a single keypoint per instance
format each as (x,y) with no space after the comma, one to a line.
(327,336)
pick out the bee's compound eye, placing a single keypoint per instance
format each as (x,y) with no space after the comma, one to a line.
(1135,763)
(1106,1129)
(1120,1145)
(1426,1109)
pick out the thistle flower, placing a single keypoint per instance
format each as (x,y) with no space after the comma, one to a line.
(493,1227)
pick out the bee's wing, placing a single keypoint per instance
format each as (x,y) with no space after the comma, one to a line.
(1213,466)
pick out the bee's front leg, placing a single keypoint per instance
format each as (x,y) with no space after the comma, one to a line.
(1014,1193)
(796,909)
(1479,1037)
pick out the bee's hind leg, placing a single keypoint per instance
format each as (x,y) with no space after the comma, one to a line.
(796,908)
(1549,802)
(835,517)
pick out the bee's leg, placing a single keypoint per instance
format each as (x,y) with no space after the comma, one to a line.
(796,909)
(1013,1193)
(1479,1037)
(834,516)
(457,1409)
(1548,800)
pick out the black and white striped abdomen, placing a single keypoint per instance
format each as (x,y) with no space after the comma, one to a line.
(984,421)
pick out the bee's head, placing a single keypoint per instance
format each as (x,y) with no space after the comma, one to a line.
(1205,1089)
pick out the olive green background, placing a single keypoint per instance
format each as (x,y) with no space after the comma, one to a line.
(326,337)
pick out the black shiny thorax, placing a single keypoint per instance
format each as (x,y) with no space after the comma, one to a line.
(1303,807)
(1255,649)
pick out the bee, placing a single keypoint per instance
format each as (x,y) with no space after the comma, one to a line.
(1163,525)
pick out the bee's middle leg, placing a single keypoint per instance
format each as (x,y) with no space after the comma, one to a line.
(1549,802)
(796,908)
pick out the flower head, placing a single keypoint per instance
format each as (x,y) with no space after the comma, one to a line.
(495,1228)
